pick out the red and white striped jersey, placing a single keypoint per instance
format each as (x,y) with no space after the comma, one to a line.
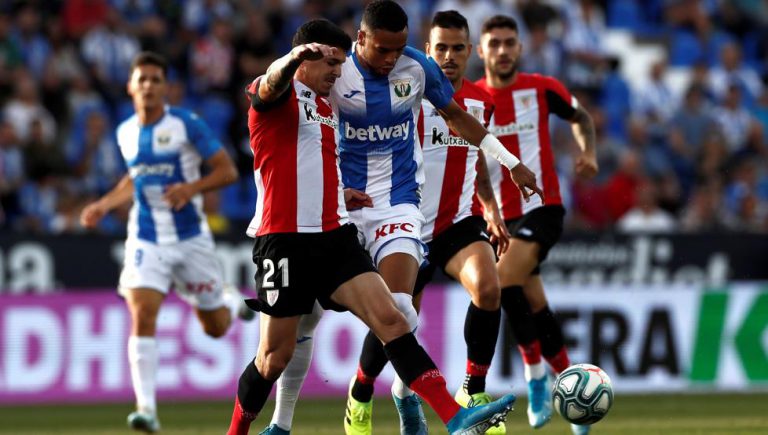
(450,193)
(521,122)
(295,163)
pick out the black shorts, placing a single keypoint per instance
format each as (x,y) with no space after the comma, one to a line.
(447,244)
(295,269)
(543,225)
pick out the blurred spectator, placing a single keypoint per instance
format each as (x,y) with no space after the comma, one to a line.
(655,101)
(621,188)
(739,127)
(761,113)
(541,55)
(10,56)
(93,155)
(693,120)
(732,72)
(25,107)
(12,174)
(213,59)
(80,16)
(646,216)
(584,32)
(199,15)
(703,212)
(712,158)
(254,50)
(35,48)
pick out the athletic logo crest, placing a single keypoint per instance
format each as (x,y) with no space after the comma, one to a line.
(477,113)
(163,139)
(526,100)
(272,296)
(402,88)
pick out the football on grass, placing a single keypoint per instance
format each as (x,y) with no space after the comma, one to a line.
(582,394)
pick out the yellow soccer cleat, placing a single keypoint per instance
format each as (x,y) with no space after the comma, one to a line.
(467,401)
(358,415)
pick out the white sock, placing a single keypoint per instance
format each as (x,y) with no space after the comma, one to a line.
(400,390)
(534,371)
(142,358)
(404,303)
(290,382)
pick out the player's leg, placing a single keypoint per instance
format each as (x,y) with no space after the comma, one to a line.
(366,296)
(514,268)
(290,382)
(276,345)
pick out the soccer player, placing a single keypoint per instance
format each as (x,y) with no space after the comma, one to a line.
(521,121)
(168,236)
(306,249)
(379,98)
(456,183)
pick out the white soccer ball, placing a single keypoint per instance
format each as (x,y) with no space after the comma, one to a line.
(582,394)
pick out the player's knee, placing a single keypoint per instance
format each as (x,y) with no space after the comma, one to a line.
(404,303)
(216,327)
(487,294)
(273,362)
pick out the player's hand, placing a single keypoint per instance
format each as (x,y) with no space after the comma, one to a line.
(92,214)
(312,51)
(498,230)
(526,181)
(355,199)
(178,195)
(586,165)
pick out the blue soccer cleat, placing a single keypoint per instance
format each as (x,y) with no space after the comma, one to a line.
(477,420)
(143,421)
(580,429)
(539,402)
(274,429)
(412,420)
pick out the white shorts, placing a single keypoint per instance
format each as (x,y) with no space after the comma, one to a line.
(190,265)
(378,228)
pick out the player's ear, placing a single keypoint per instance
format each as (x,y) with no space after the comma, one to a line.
(426,48)
(480,51)
(361,38)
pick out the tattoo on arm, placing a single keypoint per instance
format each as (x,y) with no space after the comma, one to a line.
(278,77)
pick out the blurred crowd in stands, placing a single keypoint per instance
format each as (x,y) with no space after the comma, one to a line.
(692,158)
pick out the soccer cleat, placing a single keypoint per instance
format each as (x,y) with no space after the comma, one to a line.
(243,311)
(580,430)
(467,401)
(358,415)
(143,421)
(539,402)
(478,419)
(412,420)
(274,429)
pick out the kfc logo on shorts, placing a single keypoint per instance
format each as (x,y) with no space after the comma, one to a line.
(388,229)
(272,296)
(200,287)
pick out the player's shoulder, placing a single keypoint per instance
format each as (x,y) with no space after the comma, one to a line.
(473,90)
(538,80)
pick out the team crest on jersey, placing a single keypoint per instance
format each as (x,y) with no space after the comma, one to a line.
(272,296)
(477,113)
(163,139)
(402,88)
(526,101)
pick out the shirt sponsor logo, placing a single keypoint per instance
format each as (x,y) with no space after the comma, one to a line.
(402,88)
(389,229)
(512,128)
(311,115)
(159,169)
(351,93)
(443,138)
(375,133)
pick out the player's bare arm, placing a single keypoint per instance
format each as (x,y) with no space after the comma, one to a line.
(280,73)
(119,195)
(473,131)
(355,199)
(223,172)
(496,226)
(584,131)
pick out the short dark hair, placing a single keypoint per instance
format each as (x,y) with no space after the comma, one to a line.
(450,20)
(499,22)
(150,58)
(322,31)
(385,15)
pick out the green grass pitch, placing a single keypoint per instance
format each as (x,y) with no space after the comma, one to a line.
(652,414)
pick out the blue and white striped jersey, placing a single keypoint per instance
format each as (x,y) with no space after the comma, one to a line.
(379,147)
(158,155)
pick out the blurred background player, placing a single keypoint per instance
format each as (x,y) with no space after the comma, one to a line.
(456,183)
(301,217)
(169,241)
(523,103)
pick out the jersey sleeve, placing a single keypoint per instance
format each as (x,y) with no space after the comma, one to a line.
(437,87)
(559,100)
(252,91)
(201,136)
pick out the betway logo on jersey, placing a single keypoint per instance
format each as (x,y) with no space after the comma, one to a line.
(442,138)
(512,128)
(375,133)
(161,169)
(312,116)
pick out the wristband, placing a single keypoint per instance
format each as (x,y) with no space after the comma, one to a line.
(495,149)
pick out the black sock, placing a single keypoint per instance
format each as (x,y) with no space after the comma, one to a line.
(519,314)
(409,359)
(372,362)
(550,332)
(253,390)
(481,329)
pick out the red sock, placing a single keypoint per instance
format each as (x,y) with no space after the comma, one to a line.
(531,352)
(241,420)
(475,369)
(363,378)
(431,387)
(560,361)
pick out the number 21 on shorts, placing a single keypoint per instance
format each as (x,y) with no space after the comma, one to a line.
(268,277)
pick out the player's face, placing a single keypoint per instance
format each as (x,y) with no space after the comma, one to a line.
(380,49)
(147,86)
(322,74)
(500,49)
(450,48)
